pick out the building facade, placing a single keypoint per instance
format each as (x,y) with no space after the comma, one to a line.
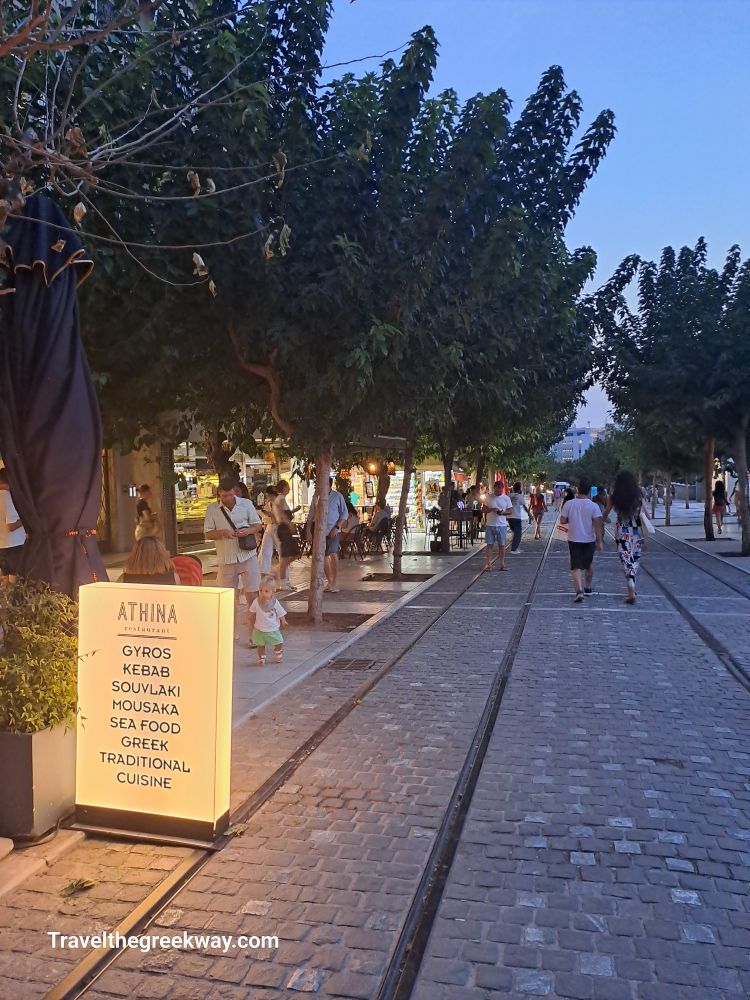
(576,442)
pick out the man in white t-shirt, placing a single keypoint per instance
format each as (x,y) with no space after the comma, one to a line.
(228,520)
(495,509)
(585,535)
(12,534)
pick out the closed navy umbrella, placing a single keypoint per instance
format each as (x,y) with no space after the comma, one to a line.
(50,428)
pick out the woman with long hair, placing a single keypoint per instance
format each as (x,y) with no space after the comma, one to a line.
(626,500)
(720,503)
(149,562)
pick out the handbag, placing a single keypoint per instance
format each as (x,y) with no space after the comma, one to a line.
(560,531)
(247,543)
(646,523)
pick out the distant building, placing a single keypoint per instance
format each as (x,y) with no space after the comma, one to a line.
(576,442)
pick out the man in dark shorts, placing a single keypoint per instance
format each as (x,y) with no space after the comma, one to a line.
(585,534)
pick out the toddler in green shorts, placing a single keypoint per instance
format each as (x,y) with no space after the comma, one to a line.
(266,619)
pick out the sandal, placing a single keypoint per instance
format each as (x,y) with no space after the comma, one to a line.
(278,656)
(260,662)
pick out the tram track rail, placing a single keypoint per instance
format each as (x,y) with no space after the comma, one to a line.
(731,664)
(84,975)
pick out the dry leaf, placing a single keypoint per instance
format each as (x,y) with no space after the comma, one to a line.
(212,287)
(210,187)
(74,136)
(267,251)
(278,162)
(175,38)
(284,239)
(78,212)
(194,181)
(76,886)
(199,266)
(237,829)
(60,245)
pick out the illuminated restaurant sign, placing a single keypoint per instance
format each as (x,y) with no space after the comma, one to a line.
(155,709)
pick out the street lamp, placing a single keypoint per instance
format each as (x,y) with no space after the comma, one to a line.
(580,442)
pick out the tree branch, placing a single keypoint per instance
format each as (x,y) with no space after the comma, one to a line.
(265,372)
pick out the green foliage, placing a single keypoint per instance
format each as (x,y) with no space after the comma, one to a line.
(38,658)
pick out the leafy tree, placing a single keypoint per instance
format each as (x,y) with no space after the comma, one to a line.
(677,366)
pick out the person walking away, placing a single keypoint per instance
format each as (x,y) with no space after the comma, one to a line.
(288,544)
(337,517)
(515,523)
(267,619)
(146,518)
(601,499)
(149,562)
(720,503)
(568,494)
(627,501)
(12,533)
(270,542)
(233,524)
(584,520)
(556,497)
(495,508)
(539,508)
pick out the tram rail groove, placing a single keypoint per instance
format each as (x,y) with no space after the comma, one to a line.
(401,973)
(83,976)
(708,572)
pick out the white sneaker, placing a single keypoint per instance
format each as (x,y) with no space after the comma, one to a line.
(515,552)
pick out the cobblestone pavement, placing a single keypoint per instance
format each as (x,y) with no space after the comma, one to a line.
(607,849)
(606,854)
(125,873)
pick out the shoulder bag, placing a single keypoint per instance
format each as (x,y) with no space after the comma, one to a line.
(247,543)
(646,523)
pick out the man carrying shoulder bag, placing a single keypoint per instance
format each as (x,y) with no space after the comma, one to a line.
(234,525)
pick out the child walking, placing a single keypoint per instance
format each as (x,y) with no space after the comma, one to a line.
(266,619)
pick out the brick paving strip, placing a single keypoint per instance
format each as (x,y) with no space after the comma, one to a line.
(606,854)
(125,873)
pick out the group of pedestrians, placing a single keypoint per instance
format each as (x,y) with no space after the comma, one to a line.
(582,523)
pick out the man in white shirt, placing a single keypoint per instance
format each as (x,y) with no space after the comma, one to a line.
(585,535)
(12,534)
(337,518)
(495,509)
(227,520)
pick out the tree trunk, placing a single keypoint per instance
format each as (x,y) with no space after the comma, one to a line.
(384,482)
(215,455)
(654,497)
(323,461)
(708,478)
(445,509)
(398,541)
(668,501)
(740,468)
(480,467)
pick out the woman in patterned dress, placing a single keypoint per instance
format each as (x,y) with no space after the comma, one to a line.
(626,501)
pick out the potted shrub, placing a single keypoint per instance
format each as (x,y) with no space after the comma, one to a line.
(38,689)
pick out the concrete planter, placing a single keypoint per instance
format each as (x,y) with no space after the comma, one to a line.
(37,780)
